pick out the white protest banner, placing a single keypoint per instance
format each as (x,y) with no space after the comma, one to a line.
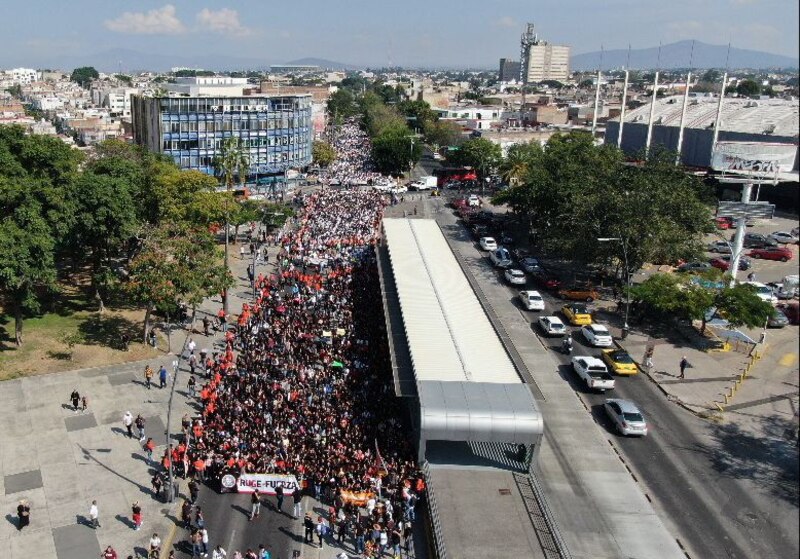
(264,483)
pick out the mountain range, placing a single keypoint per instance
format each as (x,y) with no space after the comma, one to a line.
(678,55)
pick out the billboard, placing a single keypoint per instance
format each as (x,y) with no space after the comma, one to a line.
(753,158)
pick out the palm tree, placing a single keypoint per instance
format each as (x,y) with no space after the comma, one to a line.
(231,162)
(514,166)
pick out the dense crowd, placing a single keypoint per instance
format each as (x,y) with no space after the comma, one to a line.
(303,386)
(352,165)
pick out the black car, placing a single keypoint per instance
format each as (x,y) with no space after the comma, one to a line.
(757,240)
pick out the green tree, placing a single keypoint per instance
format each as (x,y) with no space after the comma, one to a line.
(479,153)
(323,153)
(190,197)
(395,150)
(376,116)
(443,133)
(740,305)
(27,264)
(84,75)
(748,88)
(15,90)
(418,114)
(232,161)
(519,160)
(124,78)
(342,105)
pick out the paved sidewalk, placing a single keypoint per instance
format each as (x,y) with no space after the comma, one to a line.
(60,460)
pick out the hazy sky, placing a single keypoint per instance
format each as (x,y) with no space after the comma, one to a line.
(408,33)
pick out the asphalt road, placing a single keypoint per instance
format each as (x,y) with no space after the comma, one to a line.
(713,514)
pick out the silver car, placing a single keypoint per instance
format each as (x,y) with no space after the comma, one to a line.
(627,418)
(720,247)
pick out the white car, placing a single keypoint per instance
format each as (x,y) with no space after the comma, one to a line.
(764,292)
(532,300)
(720,247)
(593,372)
(597,335)
(515,277)
(488,243)
(784,237)
(398,189)
(473,201)
(552,326)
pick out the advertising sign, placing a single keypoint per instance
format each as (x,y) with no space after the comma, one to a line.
(264,483)
(753,158)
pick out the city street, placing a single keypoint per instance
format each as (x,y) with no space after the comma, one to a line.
(683,465)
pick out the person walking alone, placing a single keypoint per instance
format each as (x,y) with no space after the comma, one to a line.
(136,515)
(148,376)
(139,422)
(162,377)
(76,400)
(684,363)
(297,499)
(255,505)
(94,515)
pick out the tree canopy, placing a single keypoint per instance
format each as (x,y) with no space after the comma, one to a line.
(84,75)
(323,153)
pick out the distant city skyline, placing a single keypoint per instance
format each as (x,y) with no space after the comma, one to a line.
(468,33)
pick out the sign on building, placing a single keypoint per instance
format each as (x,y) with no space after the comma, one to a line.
(753,158)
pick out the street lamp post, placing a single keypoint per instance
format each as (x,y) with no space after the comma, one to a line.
(621,240)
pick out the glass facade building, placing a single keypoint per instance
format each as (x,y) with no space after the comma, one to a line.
(276,131)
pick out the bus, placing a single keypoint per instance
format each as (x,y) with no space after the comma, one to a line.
(448,174)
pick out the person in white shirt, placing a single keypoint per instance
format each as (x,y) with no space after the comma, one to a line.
(94,515)
(218,553)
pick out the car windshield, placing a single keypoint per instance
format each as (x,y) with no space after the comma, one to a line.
(621,357)
(633,417)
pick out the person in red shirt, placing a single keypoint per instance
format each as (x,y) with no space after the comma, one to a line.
(109,553)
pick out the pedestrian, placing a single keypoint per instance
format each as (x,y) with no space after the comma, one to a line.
(148,376)
(191,345)
(204,540)
(222,320)
(297,499)
(23,514)
(157,484)
(255,505)
(139,422)
(279,495)
(308,525)
(683,365)
(84,403)
(94,515)
(320,529)
(199,519)
(192,385)
(149,447)
(648,363)
(125,340)
(263,553)
(218,553)
(206,326)
(136,515)
(152,338)
(751,276)
(76,400)
(162,377)
(109,553)
(194,490)
(196,539)
(241,252)
(186,514)
(127,421)
(155,545)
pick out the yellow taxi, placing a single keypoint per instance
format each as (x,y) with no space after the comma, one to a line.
(620,362)
(577,314)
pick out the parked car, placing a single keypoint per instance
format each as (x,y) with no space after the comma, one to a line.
(763,291)
(532,300)
(552,326)
(576,314)
(515,277)
(546,279)
(587,294)
(488,243)
(619,361)
(474,201)
(501,258)
(787,288)
(724,262)
(520,254)
(724,222)
(783,237)
(792,312)
(694,267)
(597,335)
(771,253)
(530,264)
(720,247)
(593,372)
(757,240)
(777,320)
(627,418)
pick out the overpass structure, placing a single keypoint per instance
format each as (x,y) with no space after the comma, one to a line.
(448,359)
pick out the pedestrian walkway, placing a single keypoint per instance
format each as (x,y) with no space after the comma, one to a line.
(60,460)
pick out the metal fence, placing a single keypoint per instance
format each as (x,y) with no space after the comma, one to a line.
(433,514)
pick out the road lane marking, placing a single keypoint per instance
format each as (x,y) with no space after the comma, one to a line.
(788,359)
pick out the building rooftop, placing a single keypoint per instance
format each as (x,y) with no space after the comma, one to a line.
(777,117)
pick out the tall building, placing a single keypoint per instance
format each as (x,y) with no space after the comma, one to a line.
(539,60)
(275,130)
(509,70)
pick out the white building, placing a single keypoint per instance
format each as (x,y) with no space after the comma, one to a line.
(20,76)
(540,60)
(48,103)
(208,86)
(473,117)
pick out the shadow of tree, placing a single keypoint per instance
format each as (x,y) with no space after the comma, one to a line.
(769,457)
(108,330)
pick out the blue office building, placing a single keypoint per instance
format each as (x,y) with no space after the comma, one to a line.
(276,131)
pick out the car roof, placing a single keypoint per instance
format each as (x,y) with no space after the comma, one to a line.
(516,272)
(531,293)
(597,327)
(625,405)
(487,239)
(553,318)
(590,360)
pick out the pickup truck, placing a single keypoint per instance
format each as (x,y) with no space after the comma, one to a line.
(593,372)
(423,183)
